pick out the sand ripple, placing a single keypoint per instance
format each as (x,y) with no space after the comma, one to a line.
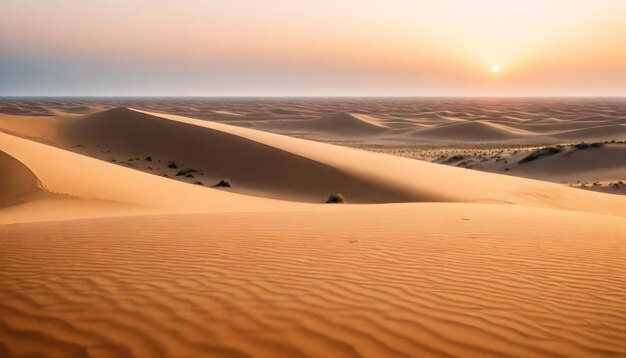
(377,281)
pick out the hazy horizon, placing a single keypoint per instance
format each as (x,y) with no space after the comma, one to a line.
(297,97)
(346,48)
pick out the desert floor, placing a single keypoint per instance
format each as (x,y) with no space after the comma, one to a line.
(198,227)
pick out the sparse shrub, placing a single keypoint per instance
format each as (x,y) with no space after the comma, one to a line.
(455,158)
(172,165)
(186,172)
(583,145)
(224,183)
(198,182)
(543,152)
(148,159)
(336,198)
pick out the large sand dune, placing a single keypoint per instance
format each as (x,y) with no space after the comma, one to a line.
(112,258)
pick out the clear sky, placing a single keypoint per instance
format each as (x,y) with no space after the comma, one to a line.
(313,47)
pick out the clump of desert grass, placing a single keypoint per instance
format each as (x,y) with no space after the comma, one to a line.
(540,153)
(224,183)
(187,172)
(583,145)
(336,198)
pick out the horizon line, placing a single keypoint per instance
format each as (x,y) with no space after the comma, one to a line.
(309,96)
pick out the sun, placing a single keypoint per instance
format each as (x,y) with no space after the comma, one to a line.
(495,68)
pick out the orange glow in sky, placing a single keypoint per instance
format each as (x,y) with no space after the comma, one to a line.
(323,47)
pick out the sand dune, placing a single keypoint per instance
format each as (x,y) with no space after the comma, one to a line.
(597,166)
(595,133)
(338,124)
(254,167)
(84,182)
(114,259)
(474,131)
(421,181)
(606,163)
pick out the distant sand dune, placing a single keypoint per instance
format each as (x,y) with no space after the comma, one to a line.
(594,133)
(472,131)
(339,124)
(386,120)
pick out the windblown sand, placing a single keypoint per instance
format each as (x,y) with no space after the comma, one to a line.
(107,252)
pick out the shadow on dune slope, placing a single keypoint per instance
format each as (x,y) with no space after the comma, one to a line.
(252,167)
(17,183)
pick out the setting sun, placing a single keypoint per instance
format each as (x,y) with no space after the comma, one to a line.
(495,68)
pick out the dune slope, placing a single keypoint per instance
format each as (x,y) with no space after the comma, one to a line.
(253,167)
(78,186)
(17,182)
